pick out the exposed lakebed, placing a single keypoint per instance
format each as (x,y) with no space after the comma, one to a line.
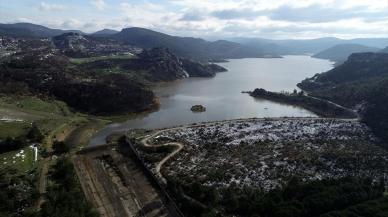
(222,95)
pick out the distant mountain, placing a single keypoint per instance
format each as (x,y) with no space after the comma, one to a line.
(341,52)
(385,50)
(370,42)
(194,48)
(267,46)
(285,47)
(307,46)
(104,33)
(29,30)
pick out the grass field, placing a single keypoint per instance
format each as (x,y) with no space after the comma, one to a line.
(22,160)
(13,129)
(34,104)
(93,59)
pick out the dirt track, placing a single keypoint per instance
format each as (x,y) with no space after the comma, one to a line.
(116,185)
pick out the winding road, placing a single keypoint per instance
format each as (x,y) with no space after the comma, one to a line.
(178,145)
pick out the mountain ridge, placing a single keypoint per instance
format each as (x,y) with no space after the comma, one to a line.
(340,53)
(188,47)
(30,30)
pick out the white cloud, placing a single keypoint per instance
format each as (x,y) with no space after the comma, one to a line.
(99,4)
(148,15)
(219,18)
(74,24)
(51,7)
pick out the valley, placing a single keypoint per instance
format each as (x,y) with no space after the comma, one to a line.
(105,124)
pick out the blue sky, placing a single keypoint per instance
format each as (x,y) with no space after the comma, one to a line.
(210,18)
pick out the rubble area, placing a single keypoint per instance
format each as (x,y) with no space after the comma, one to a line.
(266,153)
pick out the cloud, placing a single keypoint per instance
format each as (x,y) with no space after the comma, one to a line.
(71,24)
(313,13)
(99,4)
(321,14)
(148,15)
(192,16)
(218,18)
(230,14)
(51,7)
(23,20)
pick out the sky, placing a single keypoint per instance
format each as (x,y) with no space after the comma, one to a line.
(275,19)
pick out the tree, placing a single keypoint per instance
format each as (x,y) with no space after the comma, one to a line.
(60,148)
(34,134)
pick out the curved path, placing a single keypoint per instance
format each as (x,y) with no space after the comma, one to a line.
(336,105)
(178,145)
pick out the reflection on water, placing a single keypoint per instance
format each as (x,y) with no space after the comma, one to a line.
(222,95)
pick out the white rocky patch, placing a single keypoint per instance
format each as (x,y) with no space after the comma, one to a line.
(265,153)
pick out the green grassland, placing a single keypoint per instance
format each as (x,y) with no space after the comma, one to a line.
(20,164)
(33,106)
(13,129)
(54,118)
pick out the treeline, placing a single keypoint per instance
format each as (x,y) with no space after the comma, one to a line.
(319,107)
(297,199)
(34,135)
(64,196)
(373,208)
(376,112)
(17,193)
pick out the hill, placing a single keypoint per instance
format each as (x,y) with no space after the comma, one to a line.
(385,50)
(361,83)
(105,33)
(49,74)
(29,30)
(341,52)
(307,46)
(41,67)
(77,45)
(195,48)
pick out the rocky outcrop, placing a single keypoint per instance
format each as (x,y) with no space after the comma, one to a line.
(80,46)
(198,108)
(196,69)
(159,64)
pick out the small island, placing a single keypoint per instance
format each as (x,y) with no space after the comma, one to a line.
(198,108)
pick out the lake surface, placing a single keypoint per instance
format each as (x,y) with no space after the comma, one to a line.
(222,95)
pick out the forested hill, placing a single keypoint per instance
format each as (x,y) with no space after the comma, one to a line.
(340,53)
(358,67)
(188,47)
(362,83)
(29,30)
(92,75)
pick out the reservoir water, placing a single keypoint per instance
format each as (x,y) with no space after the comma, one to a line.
(222,95)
